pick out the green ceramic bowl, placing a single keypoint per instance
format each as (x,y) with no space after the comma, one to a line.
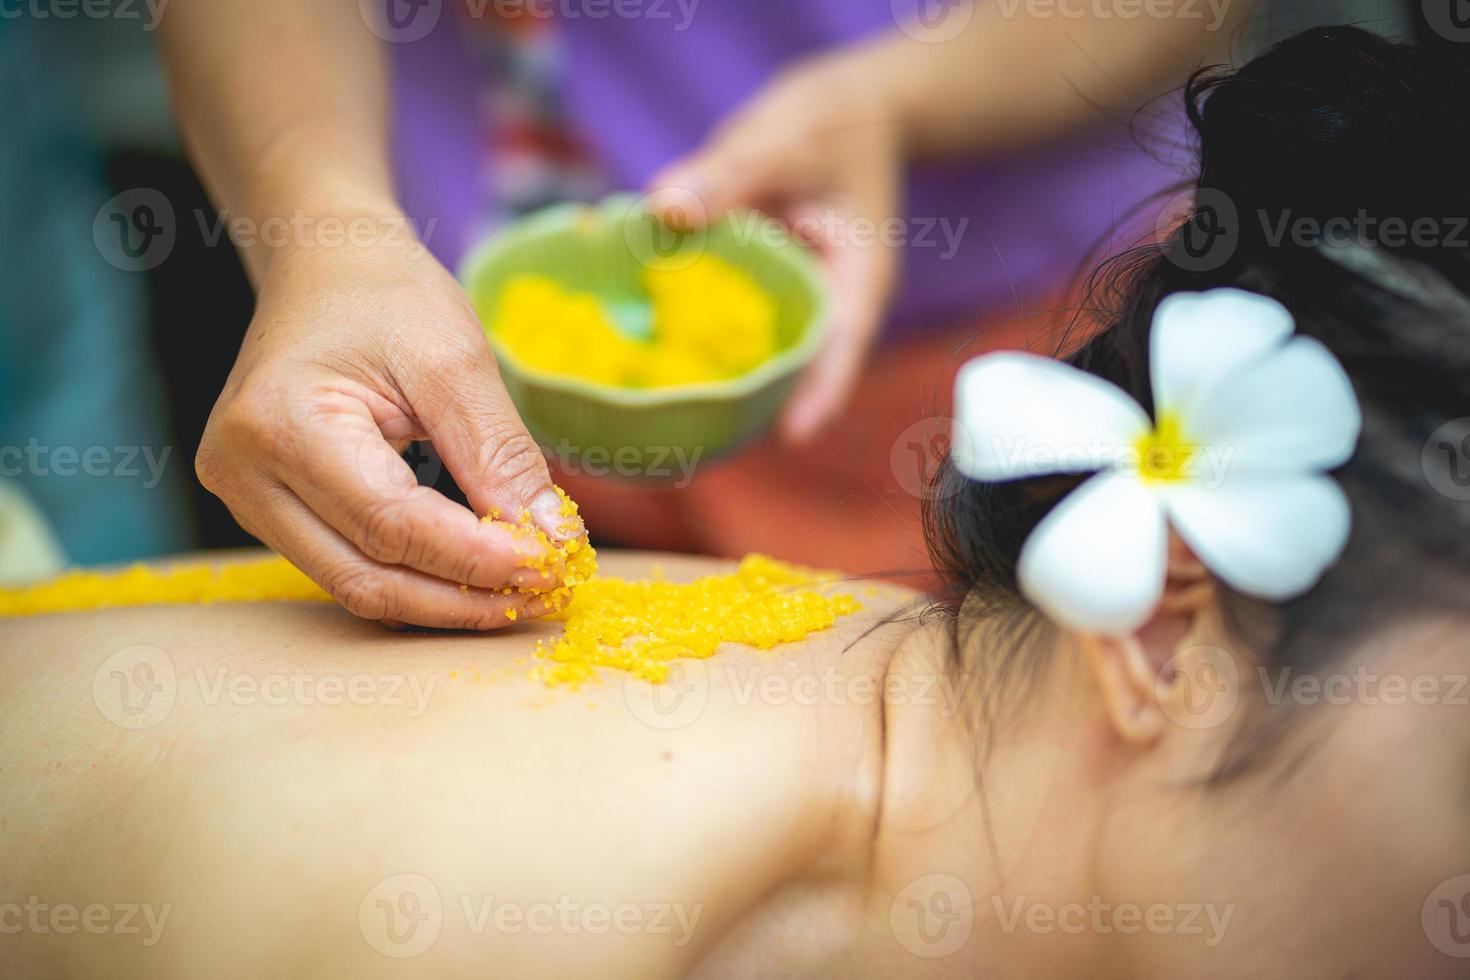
(605,249)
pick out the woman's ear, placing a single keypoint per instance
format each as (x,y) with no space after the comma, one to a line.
(1136,674)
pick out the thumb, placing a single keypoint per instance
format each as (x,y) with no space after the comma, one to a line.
(477,431)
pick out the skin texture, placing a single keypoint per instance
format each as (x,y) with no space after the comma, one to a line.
(814,835)
(265,824)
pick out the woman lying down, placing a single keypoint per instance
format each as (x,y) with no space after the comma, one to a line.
(1192,704)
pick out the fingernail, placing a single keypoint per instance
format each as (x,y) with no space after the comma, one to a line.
(546,511)
(678,202)
(530,578)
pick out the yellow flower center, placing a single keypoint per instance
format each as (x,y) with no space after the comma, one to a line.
(1164,454)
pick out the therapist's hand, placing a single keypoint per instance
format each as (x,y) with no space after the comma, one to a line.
(815,151)
(355,351)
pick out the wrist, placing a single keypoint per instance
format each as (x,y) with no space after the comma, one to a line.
(857,89)
(271,241)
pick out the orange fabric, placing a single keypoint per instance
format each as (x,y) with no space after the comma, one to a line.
(849,501)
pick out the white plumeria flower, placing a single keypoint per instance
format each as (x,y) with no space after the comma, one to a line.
(1248,418)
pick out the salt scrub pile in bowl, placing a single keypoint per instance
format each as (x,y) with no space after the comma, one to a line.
(619,337)
(710,322)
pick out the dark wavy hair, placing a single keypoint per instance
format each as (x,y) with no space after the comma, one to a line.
(1355,147)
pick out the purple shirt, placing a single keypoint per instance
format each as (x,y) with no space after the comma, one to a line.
(999,236)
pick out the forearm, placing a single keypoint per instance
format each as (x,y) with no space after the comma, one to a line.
(283,105)
(1012,77)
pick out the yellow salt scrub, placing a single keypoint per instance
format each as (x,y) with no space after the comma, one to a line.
(192,583)
(271,579)
(710,321)
(577,556)
(640,627)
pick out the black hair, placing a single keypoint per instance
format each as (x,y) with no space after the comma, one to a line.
(1332,178)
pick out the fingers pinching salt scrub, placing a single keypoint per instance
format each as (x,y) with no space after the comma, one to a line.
(635,627)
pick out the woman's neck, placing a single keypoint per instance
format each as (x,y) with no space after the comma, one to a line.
(994,819)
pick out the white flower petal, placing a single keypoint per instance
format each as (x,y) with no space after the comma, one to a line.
(1267,536)
(1292,412)
(1097,561)
(1020,415)
(1199,338)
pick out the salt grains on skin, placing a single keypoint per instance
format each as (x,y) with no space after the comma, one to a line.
(638,627)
